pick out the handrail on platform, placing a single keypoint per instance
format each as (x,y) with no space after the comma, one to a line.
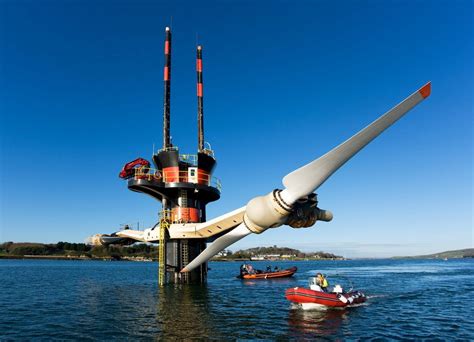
(172,176)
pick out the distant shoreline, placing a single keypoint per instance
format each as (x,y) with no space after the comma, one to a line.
(149,253)
(278,259)
(78,258)
(66,257)
(456,254)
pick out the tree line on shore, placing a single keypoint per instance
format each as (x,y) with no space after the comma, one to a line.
(275,252)
(143,250)
(77,249)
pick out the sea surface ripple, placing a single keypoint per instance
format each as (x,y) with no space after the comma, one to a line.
(95,300)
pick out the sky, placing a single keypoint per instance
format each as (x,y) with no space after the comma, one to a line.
(284,82)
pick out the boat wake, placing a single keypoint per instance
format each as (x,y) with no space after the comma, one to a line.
(376,296)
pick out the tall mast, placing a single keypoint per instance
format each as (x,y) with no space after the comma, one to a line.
(167,84)
(200,99)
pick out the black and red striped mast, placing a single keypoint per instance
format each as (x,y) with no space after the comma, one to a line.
(183,185)
(167,86)
(200,99)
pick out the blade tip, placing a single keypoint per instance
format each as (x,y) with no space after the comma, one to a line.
(425,91)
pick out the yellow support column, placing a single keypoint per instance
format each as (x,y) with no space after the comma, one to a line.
(164,225)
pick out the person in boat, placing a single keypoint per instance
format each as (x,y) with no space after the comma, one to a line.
(250,269)
(269,269)
(243,270)
(277,269)
(322,282)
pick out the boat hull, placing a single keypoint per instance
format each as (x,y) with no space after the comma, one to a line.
(271,275)
(306,296)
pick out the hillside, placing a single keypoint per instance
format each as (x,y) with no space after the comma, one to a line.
(66,250)
(274,252)
(457,254)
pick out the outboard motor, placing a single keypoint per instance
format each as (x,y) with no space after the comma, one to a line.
(342,298)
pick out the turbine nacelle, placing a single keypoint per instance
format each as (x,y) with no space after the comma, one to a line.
(306,212)
(271,211)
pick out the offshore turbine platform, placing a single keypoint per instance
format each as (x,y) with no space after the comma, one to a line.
(183,184)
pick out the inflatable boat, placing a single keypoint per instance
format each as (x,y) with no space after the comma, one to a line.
(316,297)
(269,275)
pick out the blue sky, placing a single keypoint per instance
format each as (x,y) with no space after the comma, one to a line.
(81,94)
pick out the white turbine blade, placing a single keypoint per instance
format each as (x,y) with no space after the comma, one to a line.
(308,178)
(137,235)
(218,245)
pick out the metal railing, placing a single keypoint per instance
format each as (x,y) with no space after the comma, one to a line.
(174,176)
(164,215)
(189,158)
(178,215)
(171,148)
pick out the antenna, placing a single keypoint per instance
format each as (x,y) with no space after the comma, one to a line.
(200,99)
(167,86)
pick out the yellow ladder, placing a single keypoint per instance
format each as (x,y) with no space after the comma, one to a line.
(184,258)
(164,225)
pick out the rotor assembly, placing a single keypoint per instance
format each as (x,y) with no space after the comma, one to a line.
(184,184)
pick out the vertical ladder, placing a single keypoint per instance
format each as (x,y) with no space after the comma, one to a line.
(184,206)
(184,258)
(164,225)
(184,198)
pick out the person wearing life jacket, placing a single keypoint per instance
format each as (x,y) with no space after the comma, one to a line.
(243,270)
(322,282)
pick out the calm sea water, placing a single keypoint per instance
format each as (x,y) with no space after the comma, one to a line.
(95,300)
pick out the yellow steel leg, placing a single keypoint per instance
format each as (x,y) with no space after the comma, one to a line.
(164,225)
